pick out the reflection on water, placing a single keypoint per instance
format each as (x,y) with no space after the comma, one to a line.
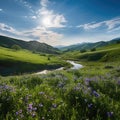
(76,66)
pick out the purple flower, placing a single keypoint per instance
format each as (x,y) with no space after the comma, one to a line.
(41,93)
(96,94)
(17,113)
(33,114)
(20,111)
(34,109)
(109,114)
(90,105)
(30,106)
(54,105)
(118,82)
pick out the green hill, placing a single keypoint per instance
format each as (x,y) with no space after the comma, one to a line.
(23,61)
(109,52)
(31,45)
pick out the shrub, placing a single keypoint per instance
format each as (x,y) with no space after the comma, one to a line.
(48,58)
(83,50)
(16,47)
(93,49)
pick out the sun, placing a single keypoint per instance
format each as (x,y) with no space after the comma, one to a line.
(47,21)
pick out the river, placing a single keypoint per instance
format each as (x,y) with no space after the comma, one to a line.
(75,66)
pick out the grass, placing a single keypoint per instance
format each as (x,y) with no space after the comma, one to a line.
(90,93)
(25,61)
(108,53)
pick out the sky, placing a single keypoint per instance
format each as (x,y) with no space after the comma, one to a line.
(60,22)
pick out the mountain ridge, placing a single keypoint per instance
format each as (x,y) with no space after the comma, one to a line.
(89,45)
(35,46)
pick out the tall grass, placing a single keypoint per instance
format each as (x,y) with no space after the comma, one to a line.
(85,94)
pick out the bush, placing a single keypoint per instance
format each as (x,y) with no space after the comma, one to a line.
(83,50)
(93,49)
(118,42)
(16,47)
(48,58)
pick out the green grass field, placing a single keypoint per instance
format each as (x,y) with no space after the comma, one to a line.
(25,61)
(90,93)
(108,53)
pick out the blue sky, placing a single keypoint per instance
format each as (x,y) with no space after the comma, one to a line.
(60,22)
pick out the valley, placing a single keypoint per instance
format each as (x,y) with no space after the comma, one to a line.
(88,87)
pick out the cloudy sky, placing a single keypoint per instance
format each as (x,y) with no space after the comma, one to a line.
(60,22)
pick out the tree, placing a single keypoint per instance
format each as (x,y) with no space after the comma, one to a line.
(48,58)
(83,50)
(93,49)
(16,47)
(118,42)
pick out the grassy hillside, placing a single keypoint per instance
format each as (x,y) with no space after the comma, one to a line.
(106,53)
(12,61)
(31,45)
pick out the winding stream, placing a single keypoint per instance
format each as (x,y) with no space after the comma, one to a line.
(75,66)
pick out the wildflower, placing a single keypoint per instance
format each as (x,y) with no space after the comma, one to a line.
(54,105)
(33,114)
(41,93)
(30,106)
(43,118)
(21,115)
(90,105)
(20,111)
(61,85)
(96,94)
(34,109)
(85,100)
(17,113)
(118,82)
(76,88)
(109,114)
(40,105)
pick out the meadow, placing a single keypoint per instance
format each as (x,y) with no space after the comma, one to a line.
(90,93)
(24,61)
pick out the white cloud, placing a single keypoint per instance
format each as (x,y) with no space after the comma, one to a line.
(34,17)
(25,4)
(43,35)
(92,25)
(39,33)
(110,24)
(44,3)
(113,23)
(50,19)
(1,10)
(7,28)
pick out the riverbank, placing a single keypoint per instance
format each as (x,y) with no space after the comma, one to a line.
(75,66)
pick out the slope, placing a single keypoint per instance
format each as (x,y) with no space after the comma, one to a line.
(31,45)
(107,53)
(22,61)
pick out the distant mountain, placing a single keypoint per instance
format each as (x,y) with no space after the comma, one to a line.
(31,45)
(59,46)
(89,45)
